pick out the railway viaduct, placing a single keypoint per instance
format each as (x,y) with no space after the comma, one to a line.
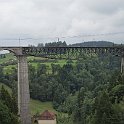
(50,52)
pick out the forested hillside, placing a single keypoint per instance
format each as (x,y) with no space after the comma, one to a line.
(89,90)
(83,44)
(94,44)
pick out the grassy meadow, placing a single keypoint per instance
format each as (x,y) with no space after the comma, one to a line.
(37,106)
(10,57)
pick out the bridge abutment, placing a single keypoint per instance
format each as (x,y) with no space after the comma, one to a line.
(23,90)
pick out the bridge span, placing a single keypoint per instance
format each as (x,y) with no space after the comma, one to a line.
(50,52)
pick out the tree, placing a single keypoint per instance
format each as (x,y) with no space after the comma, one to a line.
(5,96)
(79,110)
(6,117)
(9,101)
(103,109)
(117,93)
(40,45)
(14,104)
(41,69)
(55,68)
(1,74)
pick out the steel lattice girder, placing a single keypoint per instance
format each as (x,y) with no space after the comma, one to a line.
(71,52)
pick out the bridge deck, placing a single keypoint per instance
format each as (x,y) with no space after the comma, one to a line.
(65,52)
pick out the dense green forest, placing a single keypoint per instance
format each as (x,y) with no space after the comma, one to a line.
(94,44)
(8,107)
(89,90)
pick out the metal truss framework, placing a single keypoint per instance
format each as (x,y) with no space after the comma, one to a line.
(71,52)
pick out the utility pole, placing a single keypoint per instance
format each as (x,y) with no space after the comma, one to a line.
(19,42)
(58,39)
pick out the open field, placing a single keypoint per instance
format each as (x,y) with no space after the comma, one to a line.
(37,106)
(10,57)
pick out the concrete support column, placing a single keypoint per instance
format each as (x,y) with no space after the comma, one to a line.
(23,90)
(122,65)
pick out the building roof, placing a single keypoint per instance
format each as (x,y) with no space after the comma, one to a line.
(46,115)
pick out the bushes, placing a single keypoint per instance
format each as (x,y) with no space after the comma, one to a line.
(8,108)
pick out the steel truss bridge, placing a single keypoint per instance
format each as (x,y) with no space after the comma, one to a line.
(71,52)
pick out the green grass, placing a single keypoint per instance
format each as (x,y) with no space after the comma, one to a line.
(37,106)
(8,69)
(6,87)
(9,56)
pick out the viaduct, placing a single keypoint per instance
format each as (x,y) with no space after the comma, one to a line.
(50,52)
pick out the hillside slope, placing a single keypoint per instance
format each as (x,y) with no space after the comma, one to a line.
(36,106)
(94,44)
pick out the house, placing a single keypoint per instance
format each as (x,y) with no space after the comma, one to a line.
(47,117)
(2,56)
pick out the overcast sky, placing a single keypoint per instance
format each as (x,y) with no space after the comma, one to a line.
(46,19)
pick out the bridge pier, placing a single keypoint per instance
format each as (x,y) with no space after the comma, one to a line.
(23,90)
(122,64)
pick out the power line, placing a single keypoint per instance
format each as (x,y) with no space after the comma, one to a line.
(75,36)
(92,35)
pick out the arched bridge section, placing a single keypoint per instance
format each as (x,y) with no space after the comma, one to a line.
(16,50)
(50,52)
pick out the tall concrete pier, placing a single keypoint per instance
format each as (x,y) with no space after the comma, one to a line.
(23,90)
(122,64)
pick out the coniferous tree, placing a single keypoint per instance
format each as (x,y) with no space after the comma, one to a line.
(8,107)
(103,109)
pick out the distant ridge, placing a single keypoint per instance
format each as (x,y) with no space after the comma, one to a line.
(93,44)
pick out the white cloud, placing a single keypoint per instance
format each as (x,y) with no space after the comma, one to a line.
(51,18)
